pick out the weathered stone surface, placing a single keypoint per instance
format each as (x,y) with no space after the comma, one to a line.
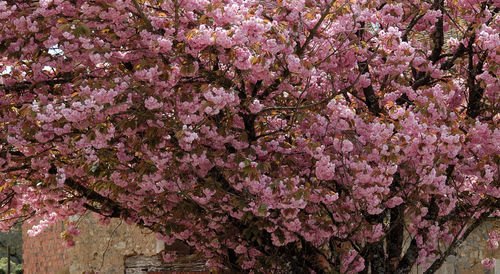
(104,248)
(469,255)
(116,248)
(120,248)
(143,264)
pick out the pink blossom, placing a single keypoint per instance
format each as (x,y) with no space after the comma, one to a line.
(294,64)
(255,106)
(165,45)
(69,242)
(489,263)
(394,201)
(325,170)
(222,122)
(169,257)
(240,249)
(347,146)
(294,225)
(151,103)
(493,239)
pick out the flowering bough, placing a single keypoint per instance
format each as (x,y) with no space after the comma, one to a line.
(325,136)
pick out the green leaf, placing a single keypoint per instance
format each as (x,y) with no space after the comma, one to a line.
(262,209)
(188,68)
(81,30)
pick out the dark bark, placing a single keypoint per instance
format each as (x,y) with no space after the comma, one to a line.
(411,254)
(395,239)
(313,32)
(438,34)
(114,209)
(408,259)
(21,86)
(377,261)
(371,99)
(412,24)
(448,64)
(374,253)
(249,121)
(271,88)
(475,90)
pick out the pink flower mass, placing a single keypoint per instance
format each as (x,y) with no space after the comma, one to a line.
(304,136)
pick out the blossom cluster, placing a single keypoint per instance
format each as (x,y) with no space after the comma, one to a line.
(264,134)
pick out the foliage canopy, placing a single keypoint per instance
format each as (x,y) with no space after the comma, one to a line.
(326,136)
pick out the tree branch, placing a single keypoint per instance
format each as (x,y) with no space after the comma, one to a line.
(439,262)
(438,34)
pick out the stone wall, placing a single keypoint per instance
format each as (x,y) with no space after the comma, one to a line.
(468,256)
(104,248)
(115,248)
(147,265)
(98,248)
(122,248)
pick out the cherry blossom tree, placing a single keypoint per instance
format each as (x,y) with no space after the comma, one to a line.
(307,135)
